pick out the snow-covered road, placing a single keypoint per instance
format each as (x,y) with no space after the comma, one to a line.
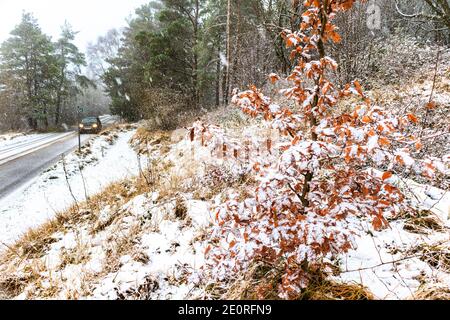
(39,198)
(20,165)
(24,157)
(36,142)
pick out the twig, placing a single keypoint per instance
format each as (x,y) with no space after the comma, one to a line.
(435,74)
(11,249)
(384,263)
(66,175)
(427,113)
(84,183)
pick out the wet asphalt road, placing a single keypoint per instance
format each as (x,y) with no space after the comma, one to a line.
(16,173)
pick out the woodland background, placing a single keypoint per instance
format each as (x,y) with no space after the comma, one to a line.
(178,59)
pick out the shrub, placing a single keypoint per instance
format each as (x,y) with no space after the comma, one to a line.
(319,184)
(164,108)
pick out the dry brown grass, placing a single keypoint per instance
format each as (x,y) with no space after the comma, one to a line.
(114,196)
(118,127)
(261,282)
(35,242)
(436,255)
(433,292)
(424,222)
(12,285)
(143,292)
(78,255)
(146,141)
(122,244)
(329,290)
(21,264)
(216,180)
(180,209)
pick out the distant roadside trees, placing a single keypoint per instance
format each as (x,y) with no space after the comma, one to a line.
(193,51)
(28,63)
(198,51)
(39,79)
(160,49)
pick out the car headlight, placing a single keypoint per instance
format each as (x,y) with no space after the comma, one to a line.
(81,126)
(95,125)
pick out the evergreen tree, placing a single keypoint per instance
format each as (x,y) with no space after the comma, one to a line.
(69,78)
(29,63)
(127,76)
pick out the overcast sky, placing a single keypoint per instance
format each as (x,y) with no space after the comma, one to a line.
(91,18)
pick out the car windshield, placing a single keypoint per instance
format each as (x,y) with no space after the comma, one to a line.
(89,121)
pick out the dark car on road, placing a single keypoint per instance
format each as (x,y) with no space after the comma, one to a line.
(90,125)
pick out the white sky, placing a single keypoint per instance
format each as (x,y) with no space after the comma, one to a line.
(92,18)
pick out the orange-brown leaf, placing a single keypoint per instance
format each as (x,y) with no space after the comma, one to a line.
(418,145)
(358,88)
(274,78)
(269,145)
(384,141)
(377,224)
(366,119)
(335,37)
(291,41)
(387,175)
(412,118)
(431,105)
(400,160)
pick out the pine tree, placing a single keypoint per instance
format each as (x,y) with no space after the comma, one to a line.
(27,59)
(69,77)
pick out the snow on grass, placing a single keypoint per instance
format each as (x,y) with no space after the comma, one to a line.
(423,197)
(173,248)
(430,198)
(391,263)
(166,252)
(145,247)
(385,264)
(104,162)
(152,245)
(374,260)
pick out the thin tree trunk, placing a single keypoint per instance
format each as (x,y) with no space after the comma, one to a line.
(218,72)
(195,66)
(313,121)
(59,100)
(236,57)
(228,54)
